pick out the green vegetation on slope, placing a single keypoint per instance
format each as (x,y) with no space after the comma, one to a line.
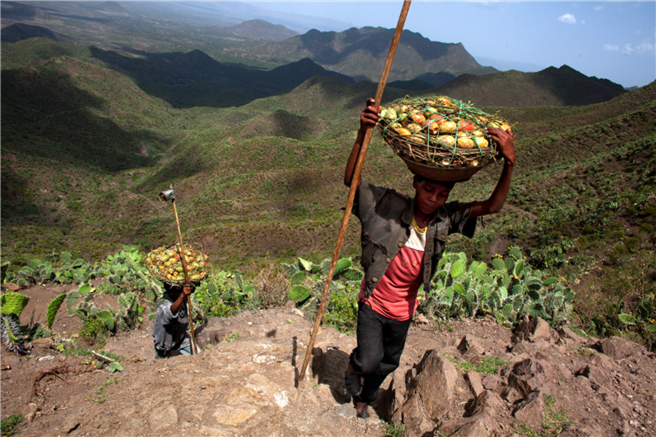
(85,153)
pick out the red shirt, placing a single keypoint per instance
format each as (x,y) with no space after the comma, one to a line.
(395,296)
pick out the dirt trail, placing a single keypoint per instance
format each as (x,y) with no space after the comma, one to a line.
(246,385)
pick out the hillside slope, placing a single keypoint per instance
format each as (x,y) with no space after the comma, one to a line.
(562,86)
(246,382)
(20,31)
(195,79)
(85,152)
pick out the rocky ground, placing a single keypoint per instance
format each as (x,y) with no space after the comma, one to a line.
(245,383)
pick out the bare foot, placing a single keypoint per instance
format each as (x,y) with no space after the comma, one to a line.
(361,410)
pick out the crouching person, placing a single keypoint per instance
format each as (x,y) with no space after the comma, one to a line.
(170,330)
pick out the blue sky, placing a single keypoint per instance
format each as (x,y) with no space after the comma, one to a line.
(611,40)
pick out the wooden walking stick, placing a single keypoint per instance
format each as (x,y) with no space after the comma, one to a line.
(170,195)
(354,186)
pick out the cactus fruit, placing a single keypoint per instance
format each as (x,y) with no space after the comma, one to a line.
(165,263)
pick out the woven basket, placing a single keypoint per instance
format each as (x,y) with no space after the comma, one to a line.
(155,265)
(418,132)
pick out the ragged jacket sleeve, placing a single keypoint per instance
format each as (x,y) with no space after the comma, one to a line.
(367,197)
(459,220)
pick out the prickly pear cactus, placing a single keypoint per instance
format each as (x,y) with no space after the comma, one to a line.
(52,309)
(13,303)
(507,291)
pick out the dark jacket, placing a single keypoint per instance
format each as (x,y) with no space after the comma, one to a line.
(386,218)
(170,329)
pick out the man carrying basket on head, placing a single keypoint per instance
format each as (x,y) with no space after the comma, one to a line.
(403,240)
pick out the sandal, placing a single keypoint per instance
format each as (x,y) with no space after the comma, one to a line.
(353,382)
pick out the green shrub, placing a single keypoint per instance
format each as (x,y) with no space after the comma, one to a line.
(94,329)
(582,242)
(342,311)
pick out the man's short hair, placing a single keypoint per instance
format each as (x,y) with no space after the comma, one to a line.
(449,184)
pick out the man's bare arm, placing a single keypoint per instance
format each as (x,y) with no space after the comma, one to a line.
(368,117)
(506,147)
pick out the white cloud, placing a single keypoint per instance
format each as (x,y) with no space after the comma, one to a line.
(598,8)
(646,48)
(567,19)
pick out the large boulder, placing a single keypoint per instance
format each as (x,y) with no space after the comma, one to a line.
(480,425)
(470,347)
(617,347)
(527,376)
(213,331)
(531,410)
(429,396)
(534,330)
(488,403)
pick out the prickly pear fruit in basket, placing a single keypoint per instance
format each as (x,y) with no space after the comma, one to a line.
(166,264)
(439,131)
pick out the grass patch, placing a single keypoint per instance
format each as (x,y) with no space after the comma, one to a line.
(232,337)
(554,421)
(10,424)
(100,395)
(586,351)
(393,429)
(485,365)
(579,331)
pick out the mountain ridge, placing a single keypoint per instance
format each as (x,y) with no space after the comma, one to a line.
(367,47)
(260,29)
(552,86)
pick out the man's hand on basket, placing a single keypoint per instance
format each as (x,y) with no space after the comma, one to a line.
(186,289)
(369,115)
(505,142)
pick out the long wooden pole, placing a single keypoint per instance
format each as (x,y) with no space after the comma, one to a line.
(194,347)
(354,186)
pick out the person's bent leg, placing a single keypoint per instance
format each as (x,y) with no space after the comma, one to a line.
(185,346)
(366,358)
(394,336)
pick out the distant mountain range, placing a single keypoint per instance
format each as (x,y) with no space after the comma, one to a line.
(361,53)
(20,11)
(20,31)
(113,8)
(195,79)
(260,29)
(552,86)
(267,59)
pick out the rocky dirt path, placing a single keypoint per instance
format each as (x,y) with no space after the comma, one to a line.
(245,383)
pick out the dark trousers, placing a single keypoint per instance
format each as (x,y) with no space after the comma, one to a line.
(380,345)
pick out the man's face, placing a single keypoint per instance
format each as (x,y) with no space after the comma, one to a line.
(430,195)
